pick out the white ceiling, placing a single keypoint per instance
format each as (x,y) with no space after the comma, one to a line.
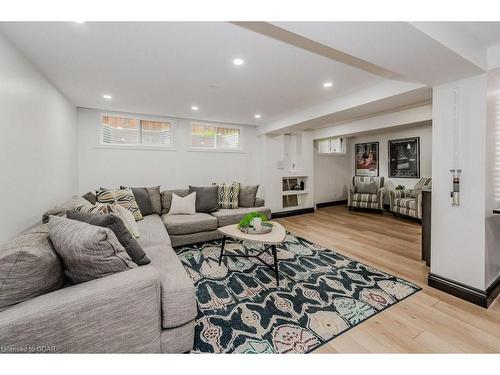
(165,68)
(396,46)
(486,33)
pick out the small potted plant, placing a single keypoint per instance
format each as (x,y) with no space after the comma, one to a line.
(255,223)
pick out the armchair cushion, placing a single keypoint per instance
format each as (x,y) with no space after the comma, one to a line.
(368,187)
(409,203)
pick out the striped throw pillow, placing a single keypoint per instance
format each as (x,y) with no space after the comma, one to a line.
(228,195)
(124,198)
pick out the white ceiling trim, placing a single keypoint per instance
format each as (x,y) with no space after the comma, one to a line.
(385,121)
(310,45)
(371,94)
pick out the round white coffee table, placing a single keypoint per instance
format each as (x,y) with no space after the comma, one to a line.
(269,240)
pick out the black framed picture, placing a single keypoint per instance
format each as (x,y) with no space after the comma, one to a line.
(366,159)
(404,157)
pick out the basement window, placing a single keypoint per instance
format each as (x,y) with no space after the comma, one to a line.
(214,137)
(132,131)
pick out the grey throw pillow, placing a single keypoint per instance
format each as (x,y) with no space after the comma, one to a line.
(155,196)
(29,267)
(88,252)
(367,187)
(91,197)
(143,200)
(113,222)
(247,196)
(206,198)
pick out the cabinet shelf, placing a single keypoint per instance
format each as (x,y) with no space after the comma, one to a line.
(293,192)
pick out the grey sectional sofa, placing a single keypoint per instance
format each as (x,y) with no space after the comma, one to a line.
(149,309)
(187,229)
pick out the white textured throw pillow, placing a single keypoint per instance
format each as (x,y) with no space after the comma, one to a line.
(128,219)
(183,206)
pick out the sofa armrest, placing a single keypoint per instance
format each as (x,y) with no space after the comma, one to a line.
(380,197)
(118,313)
(395,194)
(259,202)
(350,192)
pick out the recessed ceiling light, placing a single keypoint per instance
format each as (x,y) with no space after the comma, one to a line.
(107,97)
(238,61)
(195,107)
(79,21)
(327,84)
(257,115)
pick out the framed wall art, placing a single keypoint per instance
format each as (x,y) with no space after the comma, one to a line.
(366,159)
(404,158)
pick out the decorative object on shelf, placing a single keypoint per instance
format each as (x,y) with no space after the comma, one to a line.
(255,223)
(366,159)
(302,185)
(456,170)
(296,187)
(404,157)
(400,187)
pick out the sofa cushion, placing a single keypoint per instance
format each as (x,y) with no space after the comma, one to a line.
(61,210)
(143,200)
(409,203)
(155,196)
(370,187)
(369,198)
(29,267)
(187,224)
(154,200)
(177,290)
(106,209)
(124,198)
(228,195)
(113,222)
(247,196)
(166,198)
(234,215)
(88,252)
(206,198)
(91,197)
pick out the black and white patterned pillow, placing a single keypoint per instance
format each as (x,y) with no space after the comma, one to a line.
(124,198)
(228,195)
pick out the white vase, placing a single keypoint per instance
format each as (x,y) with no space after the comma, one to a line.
(256,223)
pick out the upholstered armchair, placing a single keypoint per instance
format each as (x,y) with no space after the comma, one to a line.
(408,202)
(366,192)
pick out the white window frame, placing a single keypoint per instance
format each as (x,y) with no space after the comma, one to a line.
(101,144)
(330,152)
(216,149)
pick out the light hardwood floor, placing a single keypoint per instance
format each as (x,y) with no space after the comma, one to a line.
(430,321)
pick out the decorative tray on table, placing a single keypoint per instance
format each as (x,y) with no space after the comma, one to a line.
(266,227)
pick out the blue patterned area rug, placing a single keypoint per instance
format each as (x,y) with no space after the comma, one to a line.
(321,295)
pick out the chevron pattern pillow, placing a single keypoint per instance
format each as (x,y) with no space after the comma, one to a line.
(124,198)
(228,195)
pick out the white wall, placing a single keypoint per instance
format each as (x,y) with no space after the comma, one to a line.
(179,168)
(37,143)
(492,233)
(458,233)
(332,175)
